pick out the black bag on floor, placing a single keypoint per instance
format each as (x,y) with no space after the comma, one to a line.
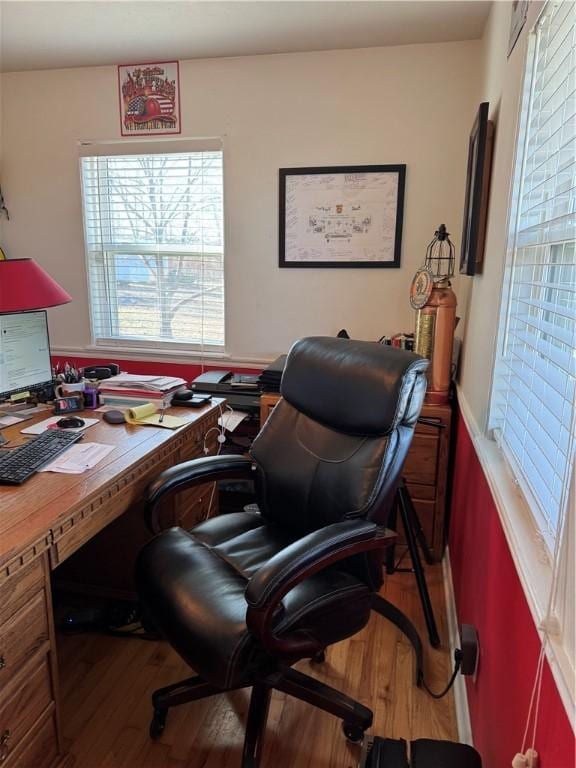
(424,753)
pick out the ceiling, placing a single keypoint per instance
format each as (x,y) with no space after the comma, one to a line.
(50,34)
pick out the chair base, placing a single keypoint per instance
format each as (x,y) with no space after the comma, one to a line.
(356,717)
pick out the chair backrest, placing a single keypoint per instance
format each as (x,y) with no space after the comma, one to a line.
(334,446)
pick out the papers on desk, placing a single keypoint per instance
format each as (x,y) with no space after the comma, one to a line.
(150,383)
(78,458)
(8,421)
(231,419)
(37,429)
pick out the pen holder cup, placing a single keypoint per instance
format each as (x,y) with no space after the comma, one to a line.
(65,390)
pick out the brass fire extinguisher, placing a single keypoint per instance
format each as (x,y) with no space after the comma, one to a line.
(435,302)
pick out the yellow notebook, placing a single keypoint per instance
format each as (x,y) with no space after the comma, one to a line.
(148,415)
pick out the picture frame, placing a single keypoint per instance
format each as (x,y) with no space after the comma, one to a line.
(341,216)
(149,98)
(517,20)
(477,192)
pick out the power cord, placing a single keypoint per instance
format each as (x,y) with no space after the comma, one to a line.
(221,439)
(457,665)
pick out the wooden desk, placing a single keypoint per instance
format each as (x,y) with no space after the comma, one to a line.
(42,523)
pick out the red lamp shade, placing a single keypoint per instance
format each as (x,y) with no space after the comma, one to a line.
(25,285)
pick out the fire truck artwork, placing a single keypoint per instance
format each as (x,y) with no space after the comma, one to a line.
(149,98)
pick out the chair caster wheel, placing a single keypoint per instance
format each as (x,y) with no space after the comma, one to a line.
(158,723)
(318,658)
(353,733)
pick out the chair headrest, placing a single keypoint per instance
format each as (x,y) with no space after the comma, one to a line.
(359,387)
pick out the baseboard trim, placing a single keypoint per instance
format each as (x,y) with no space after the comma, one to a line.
(460,695)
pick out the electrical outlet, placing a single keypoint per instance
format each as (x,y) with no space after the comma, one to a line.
(470,649)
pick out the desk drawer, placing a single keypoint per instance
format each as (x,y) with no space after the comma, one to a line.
(20,589)
(28,698)
(421,492)
(22,636)
(420,465)
(41,749)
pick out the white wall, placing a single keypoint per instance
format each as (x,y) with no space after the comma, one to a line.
(405,104)
(501,86)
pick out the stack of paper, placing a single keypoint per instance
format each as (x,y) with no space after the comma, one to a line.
(78,458)
(130,389)
(126,381)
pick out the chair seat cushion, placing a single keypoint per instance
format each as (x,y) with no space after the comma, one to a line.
(193,584)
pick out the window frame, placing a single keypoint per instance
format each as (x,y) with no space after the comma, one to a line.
(150,348)
(540,519)
(547,594)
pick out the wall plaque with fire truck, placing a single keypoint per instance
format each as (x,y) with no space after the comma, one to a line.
(149,98)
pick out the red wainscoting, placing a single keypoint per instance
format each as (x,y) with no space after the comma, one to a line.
(489,595)
(187,371)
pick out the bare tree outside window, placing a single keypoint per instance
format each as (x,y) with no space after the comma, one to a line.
(154,231)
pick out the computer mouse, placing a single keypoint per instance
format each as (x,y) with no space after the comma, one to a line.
(70,422)
(114,417)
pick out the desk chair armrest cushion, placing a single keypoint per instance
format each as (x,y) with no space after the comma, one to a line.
(191,473)
(297,562)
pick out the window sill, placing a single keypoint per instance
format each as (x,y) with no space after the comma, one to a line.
(157,354)
(528,549)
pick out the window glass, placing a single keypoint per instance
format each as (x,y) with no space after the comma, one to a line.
(155,247)
(532,409)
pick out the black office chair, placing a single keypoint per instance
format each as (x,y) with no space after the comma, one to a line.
(244,596)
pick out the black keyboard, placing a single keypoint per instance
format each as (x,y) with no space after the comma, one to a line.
(22,462)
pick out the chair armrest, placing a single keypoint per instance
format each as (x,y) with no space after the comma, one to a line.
(297,562)
(191,473)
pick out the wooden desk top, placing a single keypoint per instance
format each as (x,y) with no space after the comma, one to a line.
(33,515)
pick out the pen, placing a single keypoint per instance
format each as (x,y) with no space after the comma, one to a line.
(161,419)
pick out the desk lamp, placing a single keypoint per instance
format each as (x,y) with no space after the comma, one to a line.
(25,286)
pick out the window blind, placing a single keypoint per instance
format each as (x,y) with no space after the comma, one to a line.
(532,407)
(153,227)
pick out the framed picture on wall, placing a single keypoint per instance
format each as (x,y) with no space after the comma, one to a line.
(149,97)
(477,192)
(517,20)
(343,216)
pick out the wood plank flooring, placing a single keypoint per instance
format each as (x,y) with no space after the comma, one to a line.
(106,684)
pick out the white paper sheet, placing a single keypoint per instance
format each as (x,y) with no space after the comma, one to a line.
(78,458)
(230,420)
(8,421)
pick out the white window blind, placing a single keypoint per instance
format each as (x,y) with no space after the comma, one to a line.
(532,408)
(155,247)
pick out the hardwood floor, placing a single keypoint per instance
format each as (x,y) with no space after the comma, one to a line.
(107,682)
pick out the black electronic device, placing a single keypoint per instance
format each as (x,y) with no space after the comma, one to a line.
(25,353)
(212,377)
(183,394)
(70,422)
(22,462)
(220,383)
(69,404)
(114,417)
(212,381)
(101,372)
(185,398)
